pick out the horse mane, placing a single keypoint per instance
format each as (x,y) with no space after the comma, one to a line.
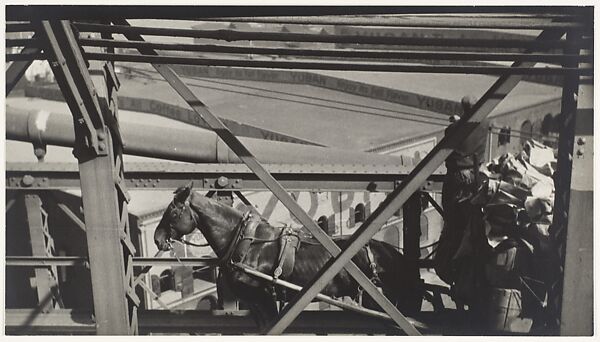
(217,207)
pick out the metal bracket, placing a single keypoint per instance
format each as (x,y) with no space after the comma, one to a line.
(223,182)
(28,181)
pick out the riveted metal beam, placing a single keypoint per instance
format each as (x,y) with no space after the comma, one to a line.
(98,149)
(62,52)
(155,176)
(42,245)
(234,35)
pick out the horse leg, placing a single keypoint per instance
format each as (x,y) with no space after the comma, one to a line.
(262,307)
(260,301)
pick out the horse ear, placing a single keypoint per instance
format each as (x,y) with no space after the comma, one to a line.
(182,193)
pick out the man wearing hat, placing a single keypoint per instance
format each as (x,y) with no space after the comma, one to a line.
(463,242)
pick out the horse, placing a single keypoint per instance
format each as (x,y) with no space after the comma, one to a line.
(222,228)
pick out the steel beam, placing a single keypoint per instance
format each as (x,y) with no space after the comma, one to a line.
(466,125)
(558,229)
(340,66)
(42,245)
(223,177)
(577,309)
(17,69)
(26,261)
(98,149)
(339,53)
(527,22)
(435,204)
(247,157)
(335,65)
(20,12)
(233,35)
(411,233)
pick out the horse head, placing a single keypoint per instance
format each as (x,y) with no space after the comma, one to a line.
(189,210)
(177,220)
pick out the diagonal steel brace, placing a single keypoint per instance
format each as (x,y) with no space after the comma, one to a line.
(467,124)
(246,156)
(84,104)
(18,68)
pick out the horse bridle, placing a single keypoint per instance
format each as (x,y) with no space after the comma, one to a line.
(232,243)
(186,204)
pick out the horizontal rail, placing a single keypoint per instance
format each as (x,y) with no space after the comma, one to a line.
(340,53)
(20,13)
(233,35)
(224,177)
(345,66)
(19,27)
(519,23)
(488,70)
(33,261)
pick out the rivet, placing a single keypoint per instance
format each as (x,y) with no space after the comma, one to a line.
(28,180)
(101,146)
(580,151)
(101,135)
(581,141)
(222,181)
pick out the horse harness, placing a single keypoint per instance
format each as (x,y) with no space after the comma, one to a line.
(289,241)
(245,236)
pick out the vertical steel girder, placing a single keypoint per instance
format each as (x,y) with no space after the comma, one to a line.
(497,92)
(99,152)
(411,230)
(562,182)
(246,156)
(42,244)
(17,69)
(577,309)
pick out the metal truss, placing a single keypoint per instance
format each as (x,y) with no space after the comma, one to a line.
(99,152)
(101,165)
(42,245)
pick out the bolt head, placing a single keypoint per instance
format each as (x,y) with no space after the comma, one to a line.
(28,180)
(222,181)
(581,141)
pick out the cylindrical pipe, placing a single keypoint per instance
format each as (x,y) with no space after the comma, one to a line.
(194,145)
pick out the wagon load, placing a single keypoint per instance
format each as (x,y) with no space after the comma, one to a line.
(517,200)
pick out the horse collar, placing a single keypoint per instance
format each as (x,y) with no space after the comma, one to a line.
(235,239)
